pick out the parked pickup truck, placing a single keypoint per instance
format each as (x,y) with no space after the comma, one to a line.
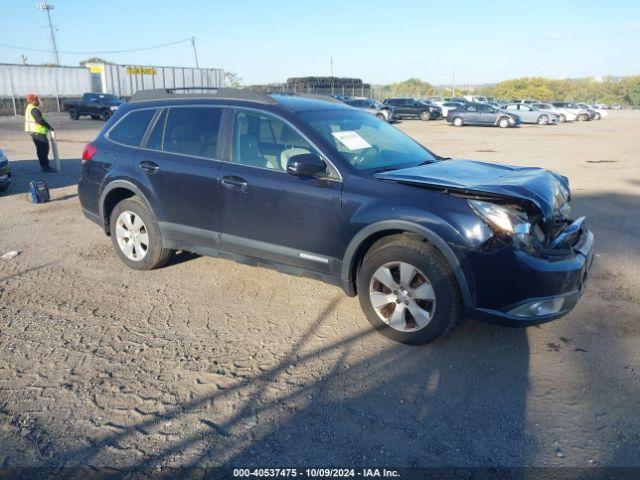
(96,105)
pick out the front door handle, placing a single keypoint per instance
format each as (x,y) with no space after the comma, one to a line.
(149,167)
(234,183)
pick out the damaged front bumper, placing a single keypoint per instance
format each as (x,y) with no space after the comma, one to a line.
(532,289)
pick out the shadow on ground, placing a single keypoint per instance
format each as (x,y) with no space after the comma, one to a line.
(24,171)
(404,406)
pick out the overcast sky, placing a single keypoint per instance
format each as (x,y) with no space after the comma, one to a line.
(378,41)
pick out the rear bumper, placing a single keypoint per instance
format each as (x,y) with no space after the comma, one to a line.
(549,289)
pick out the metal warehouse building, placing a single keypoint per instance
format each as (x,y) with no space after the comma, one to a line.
(57,83)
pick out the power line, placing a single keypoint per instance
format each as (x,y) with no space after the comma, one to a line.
(17,47)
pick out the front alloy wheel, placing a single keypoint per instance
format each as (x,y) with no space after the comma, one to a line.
(402,296)
(425,115)
(503,123)
(543,120)
(408,291)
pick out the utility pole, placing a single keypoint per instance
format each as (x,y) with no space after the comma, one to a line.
(47,7)
(195,52)
(331,75)
(453,84)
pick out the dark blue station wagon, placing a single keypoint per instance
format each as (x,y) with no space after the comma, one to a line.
(317,188)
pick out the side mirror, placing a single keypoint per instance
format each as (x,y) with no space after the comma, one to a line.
(306,165)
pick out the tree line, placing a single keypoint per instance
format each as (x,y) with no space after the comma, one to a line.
(609,90)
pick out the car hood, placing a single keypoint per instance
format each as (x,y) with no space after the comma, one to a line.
(545,189)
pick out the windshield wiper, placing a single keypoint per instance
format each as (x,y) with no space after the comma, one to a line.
(384,169)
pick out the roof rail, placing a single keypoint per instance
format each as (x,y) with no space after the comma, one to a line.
(311,96)
(202,92)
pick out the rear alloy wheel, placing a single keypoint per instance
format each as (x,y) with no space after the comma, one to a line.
(73,114)
(458,122)
(408,292)
(136,236)
(503,123)
(543,120)
(425,115)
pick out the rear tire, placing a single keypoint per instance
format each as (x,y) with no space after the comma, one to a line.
(457,122)
(73,114)
(153,256)
(432,277)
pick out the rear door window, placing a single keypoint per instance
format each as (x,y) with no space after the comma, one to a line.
(132,127)
(193,131)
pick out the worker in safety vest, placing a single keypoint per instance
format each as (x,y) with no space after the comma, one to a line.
(37,126)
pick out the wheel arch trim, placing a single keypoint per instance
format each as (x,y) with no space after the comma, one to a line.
(391,225)
(126,184)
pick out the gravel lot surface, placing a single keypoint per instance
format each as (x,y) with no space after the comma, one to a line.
(209,362)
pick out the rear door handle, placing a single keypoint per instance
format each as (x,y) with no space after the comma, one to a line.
(149,167)
(234,183)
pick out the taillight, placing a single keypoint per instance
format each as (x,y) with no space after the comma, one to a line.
(88,152)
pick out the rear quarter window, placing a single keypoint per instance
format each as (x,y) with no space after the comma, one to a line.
(131,128)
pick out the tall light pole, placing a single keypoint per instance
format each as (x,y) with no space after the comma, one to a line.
(47,7)
(195,52)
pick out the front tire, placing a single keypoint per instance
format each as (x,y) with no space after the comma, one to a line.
(381,116)
(562,118)
(136,236)
(425,115)
(458,122)
(408,291)
(503,123)
(105,115)
(583,117)
(597,117)
(543,120)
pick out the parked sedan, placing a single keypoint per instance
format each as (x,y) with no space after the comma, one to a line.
(481,114)
(446,106)
(369,105)
(597,113)
(564,114)
(530,114)
(582,114)
(413,108)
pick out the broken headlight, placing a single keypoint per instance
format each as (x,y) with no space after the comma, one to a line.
(504,220)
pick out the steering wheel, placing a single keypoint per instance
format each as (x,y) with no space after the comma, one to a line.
(363,154)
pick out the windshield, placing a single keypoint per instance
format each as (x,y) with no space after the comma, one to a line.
(365,141)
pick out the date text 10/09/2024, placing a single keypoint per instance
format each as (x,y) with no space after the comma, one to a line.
(315,472)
